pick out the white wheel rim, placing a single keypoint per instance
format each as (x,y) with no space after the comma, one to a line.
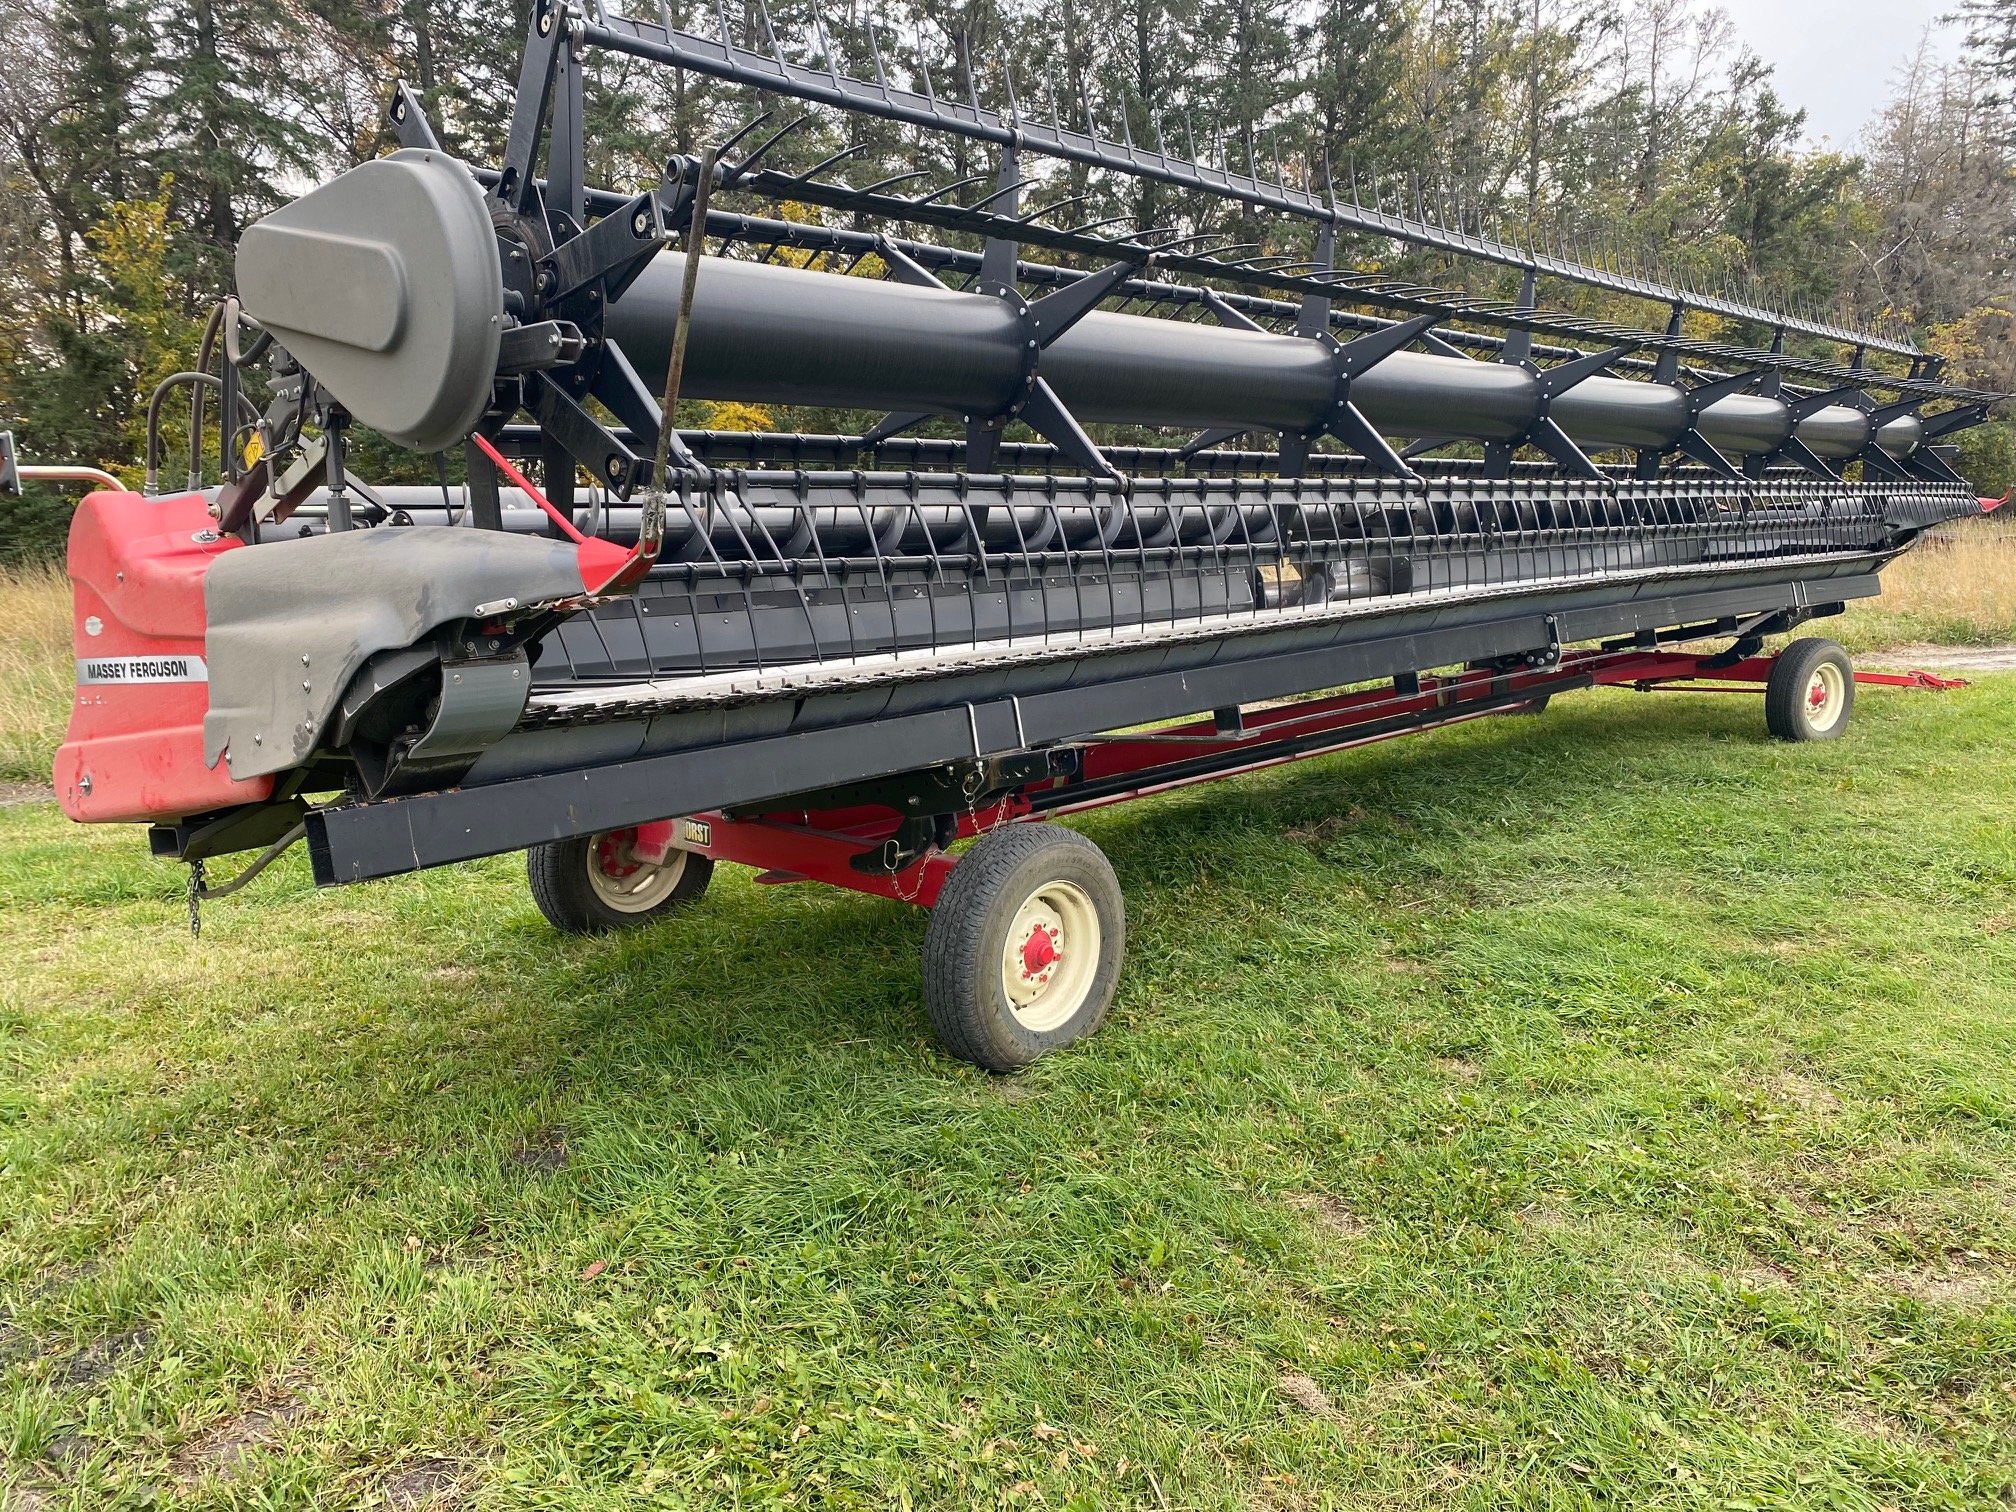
(623,882)
(1826,697)
(1051,956)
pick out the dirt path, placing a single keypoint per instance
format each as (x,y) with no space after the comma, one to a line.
(12,793)
(1944,658)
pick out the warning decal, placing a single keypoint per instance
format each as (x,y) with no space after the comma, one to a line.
(140,669)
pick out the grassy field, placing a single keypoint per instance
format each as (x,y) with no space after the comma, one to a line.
(1607,1109)
(1611,1108)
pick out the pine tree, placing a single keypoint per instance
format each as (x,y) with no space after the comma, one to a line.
(223,131)
(1356,66)
(1991,35)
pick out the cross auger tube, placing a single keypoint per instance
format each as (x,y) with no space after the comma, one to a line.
(836,656)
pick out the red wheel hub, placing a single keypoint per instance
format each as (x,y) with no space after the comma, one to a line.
(1039,951)
(1816,695)
(612,853)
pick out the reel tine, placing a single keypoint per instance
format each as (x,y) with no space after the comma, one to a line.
(952,188)
(825,35)
(748,164)
(924,71)
(1008,78)
(875,48)
(742,131)
(1099,225)
(770,31)
(1065,204)
(899,178)
(839,157)
(1002,193)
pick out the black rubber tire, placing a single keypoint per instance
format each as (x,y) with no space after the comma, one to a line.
(1787,712)
(964,941)
(560,886)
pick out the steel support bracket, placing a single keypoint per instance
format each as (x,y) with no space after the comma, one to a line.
(1947,421)
(1227,316)
(615,249)
(539,346)
(619,388)
(1797,451)
(1054,314)
(546,34)
(1350,360)
(1851,397)
(1546,434)
(408,118)
(608,459)
(1927,464)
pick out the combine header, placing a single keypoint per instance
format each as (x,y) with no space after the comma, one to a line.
(833,657)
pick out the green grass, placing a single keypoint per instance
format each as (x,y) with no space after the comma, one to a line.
(1609,1109)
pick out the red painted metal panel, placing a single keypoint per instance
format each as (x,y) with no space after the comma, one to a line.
(134,749)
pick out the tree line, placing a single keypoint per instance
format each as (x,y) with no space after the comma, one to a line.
(138,137)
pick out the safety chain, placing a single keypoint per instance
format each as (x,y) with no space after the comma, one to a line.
(196,899)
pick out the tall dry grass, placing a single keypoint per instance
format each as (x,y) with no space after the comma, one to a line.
(1956,588)
(37,676)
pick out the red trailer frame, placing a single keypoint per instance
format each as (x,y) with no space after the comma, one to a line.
(857,847)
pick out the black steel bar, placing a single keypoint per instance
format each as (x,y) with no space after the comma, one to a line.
(719,58)
(1454,306)
(788,335)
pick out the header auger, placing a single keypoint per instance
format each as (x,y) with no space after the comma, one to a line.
(836,656)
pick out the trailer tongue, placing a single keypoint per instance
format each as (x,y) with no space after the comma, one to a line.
(836,657)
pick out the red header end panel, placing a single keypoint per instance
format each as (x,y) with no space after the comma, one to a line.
(135,746)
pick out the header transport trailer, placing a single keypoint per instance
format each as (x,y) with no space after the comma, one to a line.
(635,652)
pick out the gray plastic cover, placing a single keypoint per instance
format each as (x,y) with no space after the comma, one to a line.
(290,622)
(385,284)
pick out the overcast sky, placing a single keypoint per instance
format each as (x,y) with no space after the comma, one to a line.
(1836,59)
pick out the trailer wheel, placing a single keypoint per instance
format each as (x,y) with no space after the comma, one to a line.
(596,883)
(1024,946)
(1811,691)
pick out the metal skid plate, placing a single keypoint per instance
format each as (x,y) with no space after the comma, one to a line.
(554,784)
(292,623)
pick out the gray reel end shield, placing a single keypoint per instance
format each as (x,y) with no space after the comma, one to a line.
(385,284)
